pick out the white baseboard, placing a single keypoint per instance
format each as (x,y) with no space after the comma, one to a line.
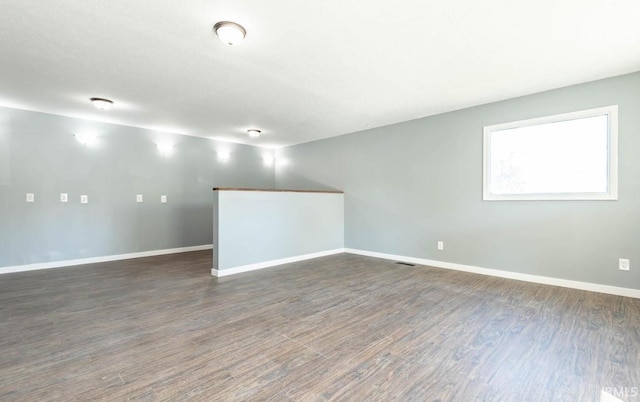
(593,287)
(92,260)
(273,263)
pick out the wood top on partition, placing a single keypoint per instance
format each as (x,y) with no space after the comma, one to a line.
(276,190)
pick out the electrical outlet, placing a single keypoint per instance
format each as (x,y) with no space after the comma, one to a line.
(31,197)
(64,197)
(84,199)
(623,264)
(163,199)
(139,198)
(440,245)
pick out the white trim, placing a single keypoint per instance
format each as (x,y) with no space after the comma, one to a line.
(273,263)
(565,283)
(612,193)
(107,258)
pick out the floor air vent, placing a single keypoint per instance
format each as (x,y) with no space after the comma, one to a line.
(406,263)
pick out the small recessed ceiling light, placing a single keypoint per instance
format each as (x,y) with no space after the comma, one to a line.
(229,33)
(101,103)
(254,132)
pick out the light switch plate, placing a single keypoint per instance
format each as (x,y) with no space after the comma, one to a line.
(84,199)
(31,197)
(163,199)
(139,198)
(64,197)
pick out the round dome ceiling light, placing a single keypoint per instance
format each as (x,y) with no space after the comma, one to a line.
(101,103)
(254,132)
(229,33)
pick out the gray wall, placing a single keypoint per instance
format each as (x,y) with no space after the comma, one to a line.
(411,184)
(256,227)
(39,154)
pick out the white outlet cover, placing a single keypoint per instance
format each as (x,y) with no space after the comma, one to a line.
(163,199)
(64,197)
(84,199)
(139,198)
(440,245)
(623,264)
(31,197)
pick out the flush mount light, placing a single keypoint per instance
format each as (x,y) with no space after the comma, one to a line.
(229,33)
(254,132)
(101,103)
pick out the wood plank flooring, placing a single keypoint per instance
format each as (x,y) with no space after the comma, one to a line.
(343,328)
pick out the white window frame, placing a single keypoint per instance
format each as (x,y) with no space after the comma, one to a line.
(611,194)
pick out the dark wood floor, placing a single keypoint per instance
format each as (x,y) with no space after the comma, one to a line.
(343,327)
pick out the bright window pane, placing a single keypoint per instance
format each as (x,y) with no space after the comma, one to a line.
(554,160)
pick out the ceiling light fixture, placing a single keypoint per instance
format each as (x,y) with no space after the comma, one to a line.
(254,132)
(101,103)
(229,32)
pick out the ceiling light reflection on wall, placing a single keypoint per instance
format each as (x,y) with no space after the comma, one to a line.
(223,156)
(254,132)
(229,32)
(87,138)
(165,148)
(268,160)
(102,103)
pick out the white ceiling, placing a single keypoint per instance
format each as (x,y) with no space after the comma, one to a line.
(307,69)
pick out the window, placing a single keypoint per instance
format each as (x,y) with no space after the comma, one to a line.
(570,156)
